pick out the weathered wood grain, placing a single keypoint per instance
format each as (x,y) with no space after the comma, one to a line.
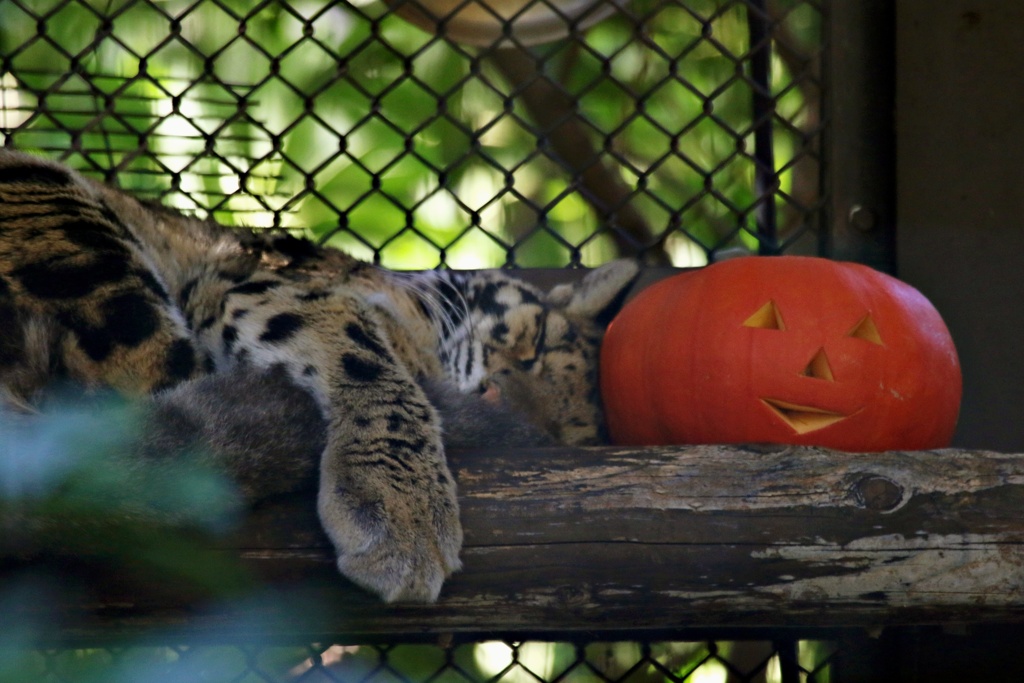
(621,538)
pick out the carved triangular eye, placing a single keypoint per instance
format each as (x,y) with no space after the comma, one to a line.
(766,318)
(867,331)
(819,367)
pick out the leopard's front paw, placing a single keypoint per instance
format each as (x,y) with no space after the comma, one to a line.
(402,548)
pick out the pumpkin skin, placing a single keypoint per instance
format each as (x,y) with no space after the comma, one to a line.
(782,349)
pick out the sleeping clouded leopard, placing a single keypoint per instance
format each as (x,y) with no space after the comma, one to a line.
(110,292)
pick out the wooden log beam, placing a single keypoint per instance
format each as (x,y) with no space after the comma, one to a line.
(664,538)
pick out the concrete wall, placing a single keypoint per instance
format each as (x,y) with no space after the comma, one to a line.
(960,194)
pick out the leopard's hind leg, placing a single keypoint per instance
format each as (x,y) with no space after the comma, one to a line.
(78,297)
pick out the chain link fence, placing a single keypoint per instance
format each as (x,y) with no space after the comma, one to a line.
(508,662)
(420,133)
(427,133)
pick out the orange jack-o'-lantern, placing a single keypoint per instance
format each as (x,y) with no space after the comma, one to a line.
(785,350)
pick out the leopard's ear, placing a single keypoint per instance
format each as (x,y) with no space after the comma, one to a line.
(600,294)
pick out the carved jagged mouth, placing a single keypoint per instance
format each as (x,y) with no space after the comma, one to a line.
(803,419)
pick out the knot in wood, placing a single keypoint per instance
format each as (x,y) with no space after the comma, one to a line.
(877,493)
(570,597)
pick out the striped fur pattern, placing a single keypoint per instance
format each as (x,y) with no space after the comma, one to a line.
(107,291)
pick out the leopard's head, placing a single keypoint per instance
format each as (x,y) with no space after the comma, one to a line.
(538,352)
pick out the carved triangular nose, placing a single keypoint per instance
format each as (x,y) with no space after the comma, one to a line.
(819,367)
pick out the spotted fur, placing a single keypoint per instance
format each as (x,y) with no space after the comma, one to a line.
(112,292)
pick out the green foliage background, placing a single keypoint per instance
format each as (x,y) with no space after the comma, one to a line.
(345,121)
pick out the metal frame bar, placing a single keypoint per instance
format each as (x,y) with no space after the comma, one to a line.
(860,138)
